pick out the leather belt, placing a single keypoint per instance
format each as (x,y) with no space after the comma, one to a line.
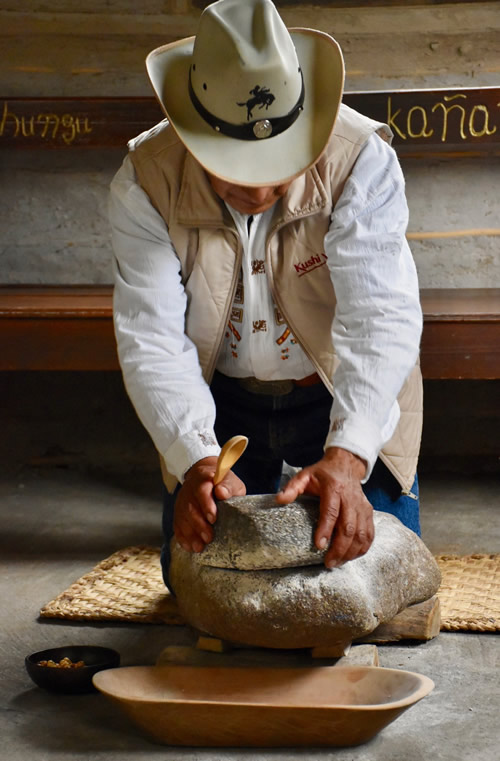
(276,387)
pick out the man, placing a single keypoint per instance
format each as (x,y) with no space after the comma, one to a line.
(262,268)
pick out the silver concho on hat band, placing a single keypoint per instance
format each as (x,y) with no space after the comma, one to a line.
(262,128)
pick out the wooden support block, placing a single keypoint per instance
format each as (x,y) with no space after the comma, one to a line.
(335,650)
(213,644)
(181,655)
(360,655)
(186,655)
(421,621)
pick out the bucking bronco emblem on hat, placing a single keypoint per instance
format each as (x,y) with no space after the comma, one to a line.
(262,96)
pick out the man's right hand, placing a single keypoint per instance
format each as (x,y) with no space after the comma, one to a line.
(195,509)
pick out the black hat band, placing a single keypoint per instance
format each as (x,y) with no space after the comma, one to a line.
(257,129)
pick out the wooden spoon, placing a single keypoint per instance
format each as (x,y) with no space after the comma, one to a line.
(229,454)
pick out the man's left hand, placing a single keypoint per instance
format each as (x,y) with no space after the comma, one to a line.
(346,517)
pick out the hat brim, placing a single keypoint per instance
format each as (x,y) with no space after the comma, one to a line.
(270,161)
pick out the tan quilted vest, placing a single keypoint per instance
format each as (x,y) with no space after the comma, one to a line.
(209,250)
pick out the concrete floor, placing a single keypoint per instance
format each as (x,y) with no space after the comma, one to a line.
(58,523)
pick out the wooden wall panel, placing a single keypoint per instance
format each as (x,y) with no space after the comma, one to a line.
(53,48)
(458,122)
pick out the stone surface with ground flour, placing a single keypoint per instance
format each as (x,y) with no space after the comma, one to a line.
(255,533)
(262,582)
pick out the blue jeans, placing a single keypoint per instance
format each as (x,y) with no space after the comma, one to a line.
(290,428)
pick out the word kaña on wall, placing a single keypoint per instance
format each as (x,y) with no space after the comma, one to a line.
(451,114)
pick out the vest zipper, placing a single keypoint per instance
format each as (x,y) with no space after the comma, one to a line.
(223,325)
(408,493)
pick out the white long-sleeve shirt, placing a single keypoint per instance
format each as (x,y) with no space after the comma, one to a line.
(376,330)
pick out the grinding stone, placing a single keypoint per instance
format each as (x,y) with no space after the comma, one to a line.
(300,605)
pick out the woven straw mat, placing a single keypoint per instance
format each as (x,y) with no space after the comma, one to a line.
(128,587)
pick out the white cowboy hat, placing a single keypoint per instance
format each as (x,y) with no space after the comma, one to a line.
(253,102)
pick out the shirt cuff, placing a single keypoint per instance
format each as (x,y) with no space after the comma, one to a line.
(357,435)
(189,449)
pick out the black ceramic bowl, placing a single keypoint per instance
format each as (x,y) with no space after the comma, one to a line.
(70,680)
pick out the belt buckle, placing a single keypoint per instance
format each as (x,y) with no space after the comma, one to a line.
(270,388)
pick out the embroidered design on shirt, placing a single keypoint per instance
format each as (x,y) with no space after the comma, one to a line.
(234,331)
(283,337)
(207,438)
(258,267)
(337,424)
(240,293)
(259,326)
(236,314)
(285,353)
(315,261)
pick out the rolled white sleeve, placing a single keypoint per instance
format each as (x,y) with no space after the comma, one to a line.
(159,362)
(378,320)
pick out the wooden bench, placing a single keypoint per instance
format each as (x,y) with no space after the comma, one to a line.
(70,327)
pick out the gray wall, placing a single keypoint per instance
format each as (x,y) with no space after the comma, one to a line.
(53,204)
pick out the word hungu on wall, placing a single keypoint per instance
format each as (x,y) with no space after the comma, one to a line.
(439,121)
(44,126)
